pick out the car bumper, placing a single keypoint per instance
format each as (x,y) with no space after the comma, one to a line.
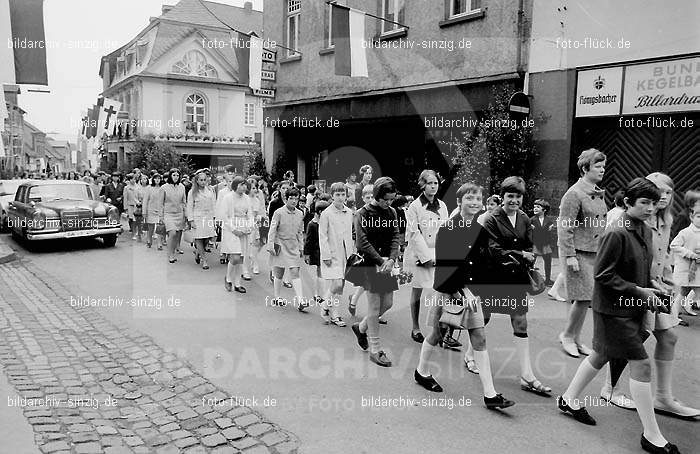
(34,236)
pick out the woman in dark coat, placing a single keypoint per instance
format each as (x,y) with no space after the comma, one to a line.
(377,240)
(510,244)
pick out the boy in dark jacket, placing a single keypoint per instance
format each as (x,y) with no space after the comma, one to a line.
(622,293)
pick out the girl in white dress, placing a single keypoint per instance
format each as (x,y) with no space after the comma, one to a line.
(200,214)
(238,223)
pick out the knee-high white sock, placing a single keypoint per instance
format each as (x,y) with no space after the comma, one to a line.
(277,285)
(641,393)
(522,345)
(426,351)
(229,272)
(584,375)
(374,346)
(236,271)
(481,358)
(608,378)
(296,285)
(663,379)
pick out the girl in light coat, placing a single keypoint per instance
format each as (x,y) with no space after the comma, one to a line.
(424,217)
(336,245)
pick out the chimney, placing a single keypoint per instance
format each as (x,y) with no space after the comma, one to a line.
(166,8)
(248,6)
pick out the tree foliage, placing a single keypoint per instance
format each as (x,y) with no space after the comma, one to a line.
(498,148)
(148,154)
(255,162)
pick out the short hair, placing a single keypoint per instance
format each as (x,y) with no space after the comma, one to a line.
(368,190)
(288,175)
(169,176)
(364,169)
(514,185)
(641,188)
(338,187)
(311,188)
(589,157)
(399,201)
(237,181)
(495,198)
(690,199)
(320,206)
(251,181)
(230,168)
(544,204)
(619,198)
(293,192)
(423,178)
(466,188)
(382,187)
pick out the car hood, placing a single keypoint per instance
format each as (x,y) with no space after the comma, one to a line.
(59,206)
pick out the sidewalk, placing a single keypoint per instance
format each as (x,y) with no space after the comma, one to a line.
(87,385)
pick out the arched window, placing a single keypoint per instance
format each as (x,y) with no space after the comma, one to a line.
(195,109)
(194,63)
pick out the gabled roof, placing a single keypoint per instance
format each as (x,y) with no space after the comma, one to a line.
(200,12)
(167,37)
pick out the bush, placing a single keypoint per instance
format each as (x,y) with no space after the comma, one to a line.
(147,154)
(494,151)
(255,162)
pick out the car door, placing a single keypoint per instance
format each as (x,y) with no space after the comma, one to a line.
(15,210)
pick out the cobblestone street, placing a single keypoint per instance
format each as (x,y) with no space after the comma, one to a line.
(88,385)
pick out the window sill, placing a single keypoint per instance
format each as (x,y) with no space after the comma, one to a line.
(290,59)
(472,15)
(326,51)
(393,34)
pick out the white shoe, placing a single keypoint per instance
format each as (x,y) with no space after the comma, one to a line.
(555,296)
(583,349)
(568,345)
(617,399)
(675,408)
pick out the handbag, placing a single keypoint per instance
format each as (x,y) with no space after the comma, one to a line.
(354,270)
(537,284)
(160,229)
(454,312)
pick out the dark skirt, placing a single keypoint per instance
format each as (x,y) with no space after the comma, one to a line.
(619,337)
(379,282)
(511,300)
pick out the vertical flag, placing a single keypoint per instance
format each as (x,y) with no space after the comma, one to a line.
(107,117)
(3,114)
(348,36)
(250,60)
(23,48)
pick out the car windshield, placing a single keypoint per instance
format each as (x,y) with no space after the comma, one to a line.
(9,187)
(45,193)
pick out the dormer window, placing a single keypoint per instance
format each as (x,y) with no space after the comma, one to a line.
(194,63)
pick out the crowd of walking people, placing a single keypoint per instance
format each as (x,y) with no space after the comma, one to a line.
(635,265)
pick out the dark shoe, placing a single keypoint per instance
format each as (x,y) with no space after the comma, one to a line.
(450,342)
(668,449)
(148,245)
(351,307)
(549,283)
(172,260)
(361,337)
(417,336)
(580,415)
(497,402)
(287,284)
(223,260)
(240,289)
(428,382)
(246,277)
(382,321)
(227,285)
(179,251)
(197,258)
(380,359)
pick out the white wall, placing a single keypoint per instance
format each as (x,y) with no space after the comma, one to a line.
(653,28)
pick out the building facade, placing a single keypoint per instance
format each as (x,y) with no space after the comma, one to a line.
(12,134)
(626,81)
(179,81)
(439,70)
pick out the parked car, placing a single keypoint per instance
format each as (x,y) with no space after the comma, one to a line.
(52,209)
(8,189)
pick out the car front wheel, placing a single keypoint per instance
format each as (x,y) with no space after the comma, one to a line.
(109,240)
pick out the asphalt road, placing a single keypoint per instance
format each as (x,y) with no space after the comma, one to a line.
(314,381)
